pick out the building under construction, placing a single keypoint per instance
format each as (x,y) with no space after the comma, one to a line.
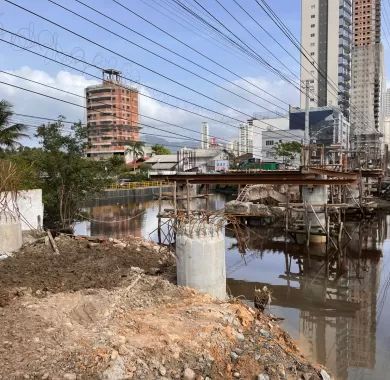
(112,116)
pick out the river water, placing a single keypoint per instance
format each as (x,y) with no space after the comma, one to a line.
(339,317)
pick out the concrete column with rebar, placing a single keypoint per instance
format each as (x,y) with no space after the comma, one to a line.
(200,259)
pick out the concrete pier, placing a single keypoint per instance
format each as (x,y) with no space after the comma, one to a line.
(317,196)
(200,259)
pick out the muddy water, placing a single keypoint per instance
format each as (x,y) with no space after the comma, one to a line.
(338,312)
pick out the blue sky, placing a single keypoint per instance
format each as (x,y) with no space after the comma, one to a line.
(171,18)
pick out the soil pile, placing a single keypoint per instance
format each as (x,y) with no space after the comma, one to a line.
(94,312)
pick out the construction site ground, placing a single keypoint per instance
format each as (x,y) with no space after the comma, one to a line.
(107,309)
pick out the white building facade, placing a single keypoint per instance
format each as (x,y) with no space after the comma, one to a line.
(326,37)
(246,138)
(205,136)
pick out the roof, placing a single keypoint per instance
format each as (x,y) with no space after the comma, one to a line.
(164,166)
(162,158)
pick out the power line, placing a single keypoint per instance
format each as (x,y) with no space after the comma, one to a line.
(80,106)
(148,96)
(170,50)
(279,23)
(247,49)
(193,49)
(163,58)
(258,41)
(168,144)
(97,101)
(141,65)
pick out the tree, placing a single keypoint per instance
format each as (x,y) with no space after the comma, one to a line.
(59,168)
(288,151)
(9,133)
(160,149)
(136,149)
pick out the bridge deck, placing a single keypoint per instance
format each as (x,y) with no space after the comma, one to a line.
(272,177)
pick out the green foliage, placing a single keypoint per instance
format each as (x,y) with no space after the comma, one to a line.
(59,167)
(9,133)
(288,151)
(136,149)
(117,162)
(160,149)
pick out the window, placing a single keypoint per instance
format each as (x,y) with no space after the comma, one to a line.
(313,16)
(312,35)
(312,25)
(269,142)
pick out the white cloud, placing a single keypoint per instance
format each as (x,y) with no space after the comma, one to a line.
(31,104)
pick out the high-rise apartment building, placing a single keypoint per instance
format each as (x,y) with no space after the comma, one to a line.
(205,136)
(326,38)
(367,92)
(386,118)
(246,138)
(112,116)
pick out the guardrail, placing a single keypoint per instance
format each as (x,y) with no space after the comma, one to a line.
(137,185)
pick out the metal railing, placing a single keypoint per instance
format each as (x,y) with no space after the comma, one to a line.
(138,185)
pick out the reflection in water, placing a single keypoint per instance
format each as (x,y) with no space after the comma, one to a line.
(337,309)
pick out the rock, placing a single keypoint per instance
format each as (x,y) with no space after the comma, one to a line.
(162,371)
(45,376)
(262,376)
(120,245)
(257,356)
(154,271)
(70,376)
(189,374)
(114,354)
(123,350)
(324,375)
(236,375)
(92,244)
(116,370)
(265,333)
(137,270)
(281,371)
(240,336)
(233,355)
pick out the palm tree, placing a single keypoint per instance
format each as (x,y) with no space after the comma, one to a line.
(9,133)
(136,149)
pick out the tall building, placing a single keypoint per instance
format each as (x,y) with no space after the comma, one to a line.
(246,138)
(205,136)
(112,116)
(326,38)
(386,120)
(367,91)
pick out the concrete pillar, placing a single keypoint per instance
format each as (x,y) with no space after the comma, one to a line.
(316,195)
(200,259)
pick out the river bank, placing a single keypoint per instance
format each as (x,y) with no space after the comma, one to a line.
(109,309)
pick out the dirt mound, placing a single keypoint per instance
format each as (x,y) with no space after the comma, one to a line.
(82,264)
(91,313)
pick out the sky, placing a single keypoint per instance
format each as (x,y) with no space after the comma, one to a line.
(236,101)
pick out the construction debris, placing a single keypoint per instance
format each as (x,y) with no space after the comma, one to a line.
(94,312)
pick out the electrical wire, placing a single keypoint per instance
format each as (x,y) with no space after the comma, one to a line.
(173,52)
(165,59)
(148,96)
(304,53)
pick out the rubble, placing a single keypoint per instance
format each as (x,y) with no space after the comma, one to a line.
(94,311)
